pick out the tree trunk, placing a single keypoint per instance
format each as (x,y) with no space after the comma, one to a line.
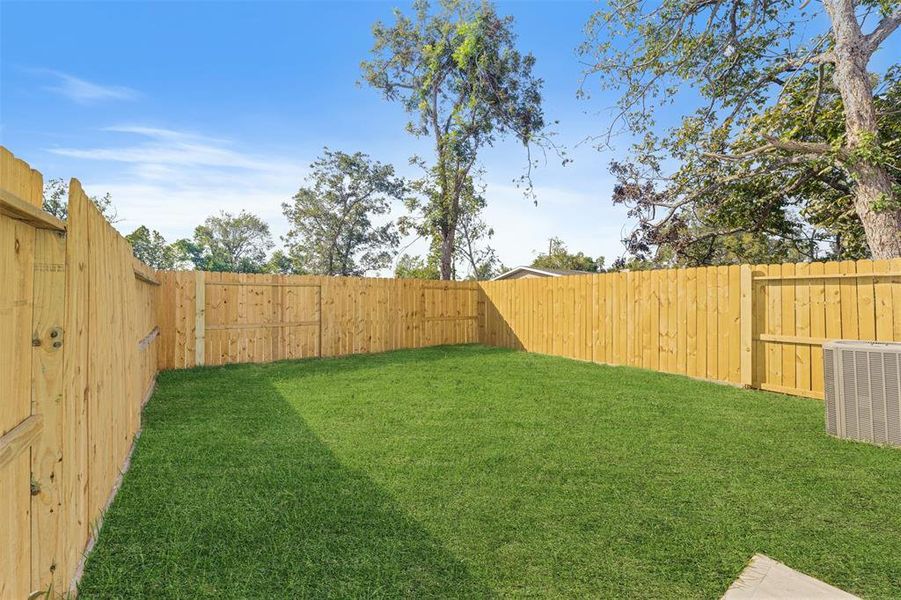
(447,254)
(873,184)
(883,227)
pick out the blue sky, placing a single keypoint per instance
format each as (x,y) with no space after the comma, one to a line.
(182,109)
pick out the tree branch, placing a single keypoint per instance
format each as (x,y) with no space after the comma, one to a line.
(885,28)
(818,149)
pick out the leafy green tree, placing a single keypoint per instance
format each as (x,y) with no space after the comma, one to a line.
(417,267)
(56,201)
(151,248)
(281,264)
(332,230)
(558,257)
(457,72)
(793,140)
(227,242)
(478,258)
(188,255)
(472,254)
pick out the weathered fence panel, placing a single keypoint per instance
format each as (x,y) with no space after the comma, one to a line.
(223,318)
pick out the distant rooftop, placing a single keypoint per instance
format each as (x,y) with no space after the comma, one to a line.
(524,272)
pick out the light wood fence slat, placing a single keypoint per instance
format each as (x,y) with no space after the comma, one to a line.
(700,309)
(713,334)
(817,325)
(49,471)
(788,325)
(734,348)
(882,291)
(866,305)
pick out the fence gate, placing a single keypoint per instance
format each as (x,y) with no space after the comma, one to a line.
(450,314)
(32,305)
(246,319)
(798,307)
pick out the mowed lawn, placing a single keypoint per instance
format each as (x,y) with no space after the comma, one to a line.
(476,472)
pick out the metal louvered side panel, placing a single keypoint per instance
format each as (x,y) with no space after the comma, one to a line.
(849,394)
(893,397)
(864,406)
(877,396)
(830,388)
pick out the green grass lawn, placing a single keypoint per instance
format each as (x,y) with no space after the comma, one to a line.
(475,472)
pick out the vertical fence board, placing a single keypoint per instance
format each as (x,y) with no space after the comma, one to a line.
(866,306)
(17,312)
(47,466)
(802,329)
(734,320)
(817,326)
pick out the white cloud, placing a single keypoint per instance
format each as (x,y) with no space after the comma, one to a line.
(168,147)
(86,92)
(584,220)
(172,180)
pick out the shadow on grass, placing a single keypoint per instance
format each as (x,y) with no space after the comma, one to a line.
(232,495)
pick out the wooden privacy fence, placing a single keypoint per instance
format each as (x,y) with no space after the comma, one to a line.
(77,360)
(221,318)
(762,326)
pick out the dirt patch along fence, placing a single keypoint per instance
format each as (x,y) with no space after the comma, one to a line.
(77,360)
(761,326)
(222,318)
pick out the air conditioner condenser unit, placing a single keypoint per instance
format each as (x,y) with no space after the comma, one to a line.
(863,390)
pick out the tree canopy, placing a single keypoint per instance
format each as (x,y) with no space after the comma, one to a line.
(472,256)
(455,68)
(227,242)
(151,248)
(794,142)
(417,267)
(558,257)
(56,201)
(333,229)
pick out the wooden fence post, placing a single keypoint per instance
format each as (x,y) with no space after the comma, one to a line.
(747,314)
(199,319)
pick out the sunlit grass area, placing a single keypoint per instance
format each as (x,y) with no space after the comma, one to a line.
(476,472)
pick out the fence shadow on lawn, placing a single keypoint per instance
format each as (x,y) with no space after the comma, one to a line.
(256,505)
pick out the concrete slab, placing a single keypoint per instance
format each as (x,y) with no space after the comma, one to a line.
(768,579)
